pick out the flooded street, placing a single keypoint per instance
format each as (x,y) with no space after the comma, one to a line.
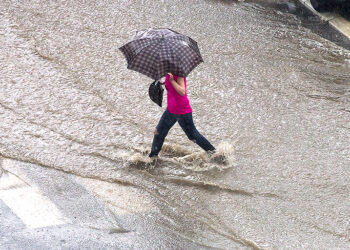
(271,93)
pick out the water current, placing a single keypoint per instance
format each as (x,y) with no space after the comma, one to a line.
(271,94)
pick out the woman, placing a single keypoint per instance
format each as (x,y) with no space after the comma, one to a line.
(178,110)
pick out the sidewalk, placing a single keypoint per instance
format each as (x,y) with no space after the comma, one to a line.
(42,208)
(335,20)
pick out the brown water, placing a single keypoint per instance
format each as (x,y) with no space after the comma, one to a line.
(273,95)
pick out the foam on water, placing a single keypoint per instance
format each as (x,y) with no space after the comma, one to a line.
(181,156)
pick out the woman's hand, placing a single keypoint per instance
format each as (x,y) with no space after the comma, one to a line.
(171,77)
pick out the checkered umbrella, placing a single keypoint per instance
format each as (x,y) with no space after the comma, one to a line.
(155,52)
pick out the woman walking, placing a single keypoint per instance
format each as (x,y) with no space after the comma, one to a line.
(178,110)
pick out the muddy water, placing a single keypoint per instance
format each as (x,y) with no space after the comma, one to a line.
(271,94)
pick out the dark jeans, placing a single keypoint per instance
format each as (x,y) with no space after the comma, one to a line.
(186,122)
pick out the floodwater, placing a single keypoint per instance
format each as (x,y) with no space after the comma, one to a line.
(271,94)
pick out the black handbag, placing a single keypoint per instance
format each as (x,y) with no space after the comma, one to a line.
(155,92)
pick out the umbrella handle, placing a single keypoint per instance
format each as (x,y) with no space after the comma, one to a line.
(158,82)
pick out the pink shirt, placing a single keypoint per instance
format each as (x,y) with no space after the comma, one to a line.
(177,104)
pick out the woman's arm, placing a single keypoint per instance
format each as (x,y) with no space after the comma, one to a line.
(178,85)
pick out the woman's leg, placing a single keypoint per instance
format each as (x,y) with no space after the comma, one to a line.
(166,122)
(186,123)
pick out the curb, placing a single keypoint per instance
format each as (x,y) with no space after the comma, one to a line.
(335,20)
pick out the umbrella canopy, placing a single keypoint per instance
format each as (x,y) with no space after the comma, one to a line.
(155,52)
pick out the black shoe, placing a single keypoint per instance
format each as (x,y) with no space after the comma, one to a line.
(211,152)
(152,154)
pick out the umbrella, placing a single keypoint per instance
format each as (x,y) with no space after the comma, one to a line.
(155,52)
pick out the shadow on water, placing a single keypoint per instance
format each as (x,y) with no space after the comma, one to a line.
(320,27)
(308,19)
(313,22)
